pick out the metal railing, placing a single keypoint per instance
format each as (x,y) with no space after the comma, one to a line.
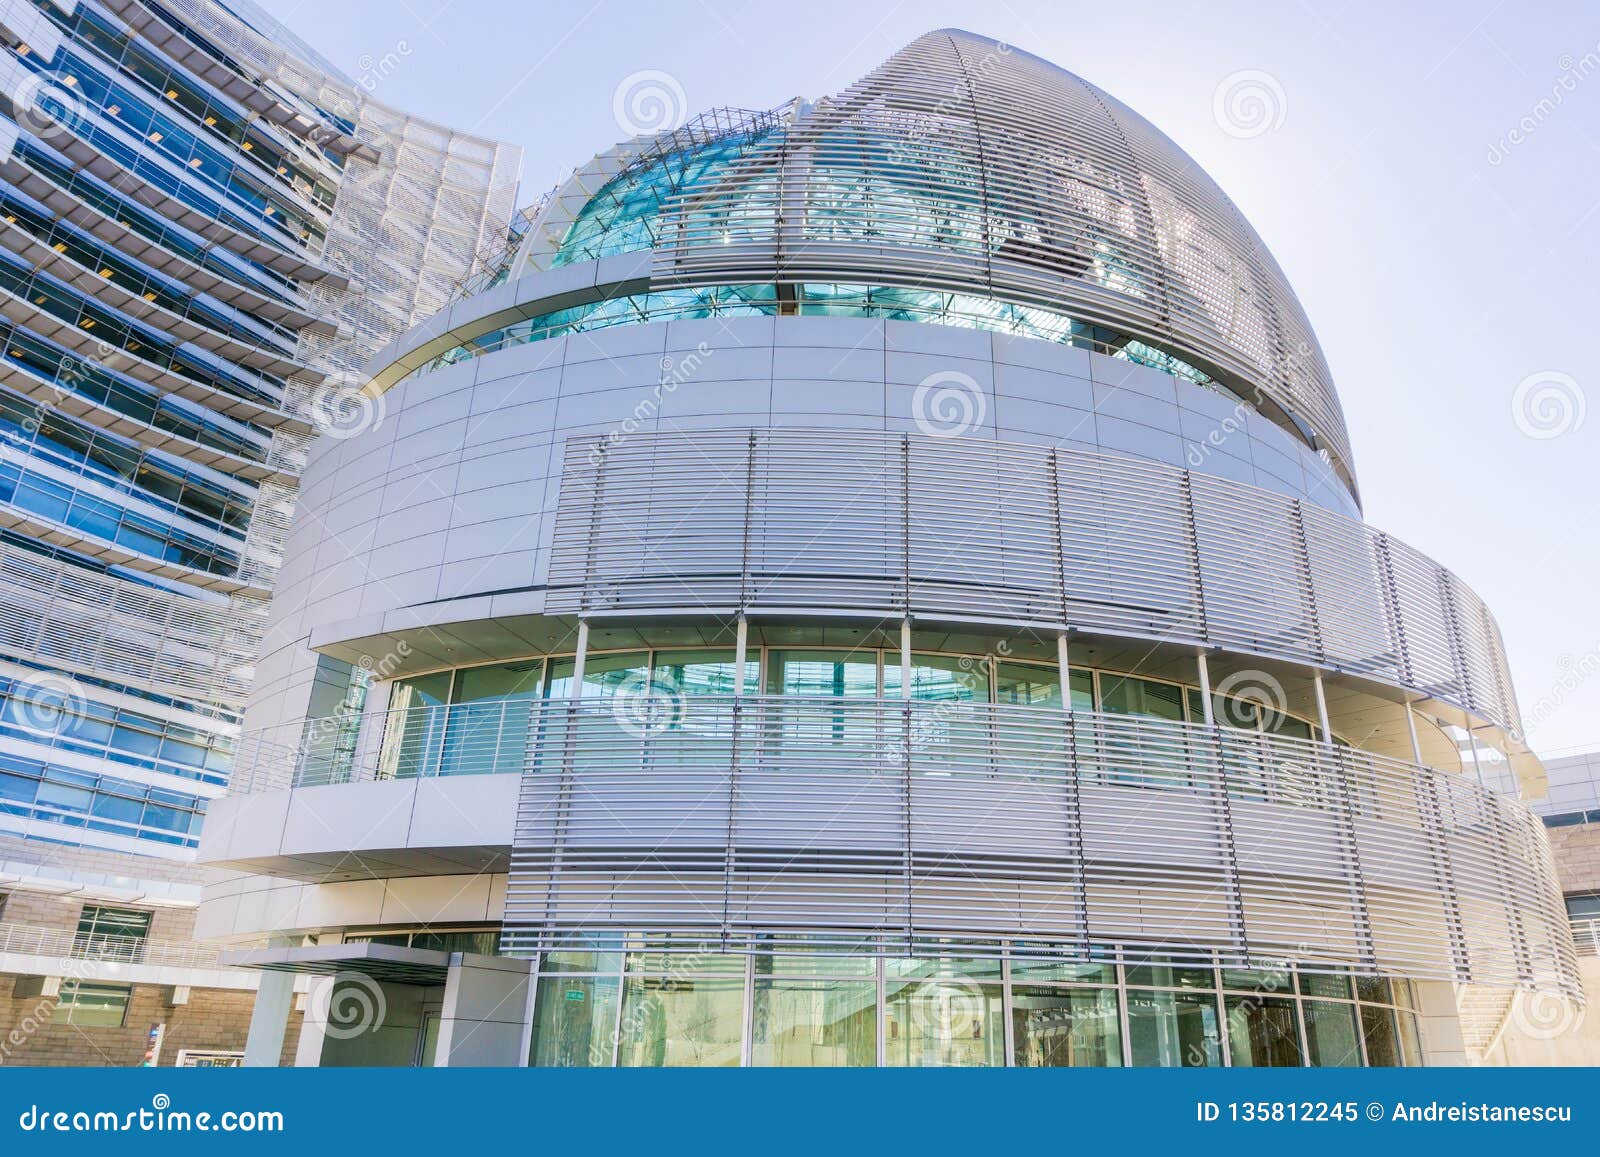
(60,943)
(1586,935)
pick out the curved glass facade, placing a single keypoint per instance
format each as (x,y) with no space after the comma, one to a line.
(620,1003)
(472,720)
(893,303)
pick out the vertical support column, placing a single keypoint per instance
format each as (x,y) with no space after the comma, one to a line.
(269,1020)
(1203,670)
(579,658)
(1216,745)
(740,651)
(1072,794)
(314,1025)
(1437,831)
(907,739)
(905,658)
(1360,908)
(1322,710)
(485,1003)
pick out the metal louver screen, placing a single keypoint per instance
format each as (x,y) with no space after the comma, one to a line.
(887,524)
(743,823)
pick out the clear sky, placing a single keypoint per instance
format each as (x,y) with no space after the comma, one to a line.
(1443,264)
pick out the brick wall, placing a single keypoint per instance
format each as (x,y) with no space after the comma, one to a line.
(1577,852)
(212,1019)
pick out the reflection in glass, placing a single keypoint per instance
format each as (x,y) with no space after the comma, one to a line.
(573,1021)
(1173,1029)
(698,672)
(1262,1032)
(1028,685)
(948,1023)
(1160,974)
(1410,1042)
(415,729)
(1276,979)
(836,673)
(487,727)
(1377,1030)
(603,675)
(1040,968)
(939,678)
(1316,984)
(668,1023)
(1331,1034)
(1374,988)
(1125,695)
(814,1022)
(1060,1027)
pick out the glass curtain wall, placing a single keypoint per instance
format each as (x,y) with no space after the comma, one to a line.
(477,720)
(626,1003)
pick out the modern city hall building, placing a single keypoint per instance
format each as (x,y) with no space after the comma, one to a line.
(878,581)
(204,232)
